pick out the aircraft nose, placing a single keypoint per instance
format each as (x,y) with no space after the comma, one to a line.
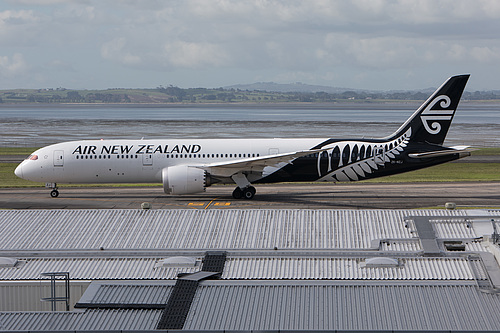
(19,171)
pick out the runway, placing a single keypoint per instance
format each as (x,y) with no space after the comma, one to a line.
(279,196)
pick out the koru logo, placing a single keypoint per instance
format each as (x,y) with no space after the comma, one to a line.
(431,117)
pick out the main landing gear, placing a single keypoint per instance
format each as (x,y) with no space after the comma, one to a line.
(246,193)
(54,193)
(245,189)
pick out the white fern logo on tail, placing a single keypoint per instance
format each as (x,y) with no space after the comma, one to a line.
(431,117)
(368,164)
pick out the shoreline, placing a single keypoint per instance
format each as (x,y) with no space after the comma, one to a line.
(306,105)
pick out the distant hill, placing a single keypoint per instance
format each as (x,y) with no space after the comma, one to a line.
(263,92)
(290,88)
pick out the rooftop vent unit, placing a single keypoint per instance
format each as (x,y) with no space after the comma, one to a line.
(8,262)
(380,262)
(454,245)
(177,262)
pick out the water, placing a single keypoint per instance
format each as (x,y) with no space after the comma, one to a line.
(34,125)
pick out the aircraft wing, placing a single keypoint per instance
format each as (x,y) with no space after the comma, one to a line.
(453,150)
(256,164)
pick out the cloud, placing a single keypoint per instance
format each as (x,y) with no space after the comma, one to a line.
(15,26)
(486,55)
(60,65)
(391,52)
(195,55)
(39,2)
(10,67)
(254,38)
(115,50)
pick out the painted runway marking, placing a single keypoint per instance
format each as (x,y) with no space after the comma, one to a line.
(210,204)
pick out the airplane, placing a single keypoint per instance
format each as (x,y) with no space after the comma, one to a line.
(190,166)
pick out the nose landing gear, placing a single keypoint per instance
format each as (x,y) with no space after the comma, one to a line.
(54,193)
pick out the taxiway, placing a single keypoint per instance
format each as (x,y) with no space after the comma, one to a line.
(279,196)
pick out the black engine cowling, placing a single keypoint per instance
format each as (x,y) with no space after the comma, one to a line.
(183,179)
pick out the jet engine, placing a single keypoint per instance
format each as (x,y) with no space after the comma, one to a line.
(183,179)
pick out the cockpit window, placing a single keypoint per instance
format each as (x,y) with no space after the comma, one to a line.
(32,157)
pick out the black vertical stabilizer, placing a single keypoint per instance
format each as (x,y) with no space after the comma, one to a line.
(431,121)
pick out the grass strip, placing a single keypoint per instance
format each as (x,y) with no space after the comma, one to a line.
(25,151)
(448,172)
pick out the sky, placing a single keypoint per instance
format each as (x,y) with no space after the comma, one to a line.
(362,44)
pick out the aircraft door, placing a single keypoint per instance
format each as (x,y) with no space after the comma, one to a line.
(58,158)
(147,159)
(274,151)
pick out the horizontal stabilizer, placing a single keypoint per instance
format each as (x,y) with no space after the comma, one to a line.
(466,150)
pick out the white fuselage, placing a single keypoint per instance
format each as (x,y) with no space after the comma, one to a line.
(142,161)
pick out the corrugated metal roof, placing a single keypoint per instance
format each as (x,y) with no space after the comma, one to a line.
(347,269)
(453,229)
(97,320)
(244,268)
(401,246)
(334,293)
(210,229)
(93,268)
(132,294)
(476,247)
(342,307)
(295,306)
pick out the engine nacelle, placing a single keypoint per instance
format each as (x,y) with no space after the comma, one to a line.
(183,179)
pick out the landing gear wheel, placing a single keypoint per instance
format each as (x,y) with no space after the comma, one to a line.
(249,192)
(237,193)
(54,193)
